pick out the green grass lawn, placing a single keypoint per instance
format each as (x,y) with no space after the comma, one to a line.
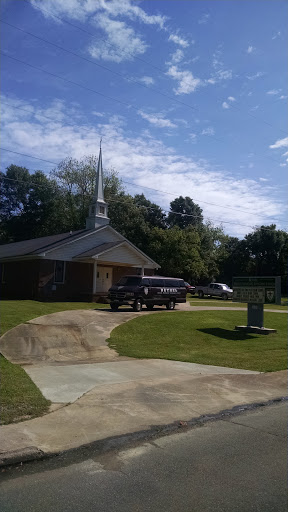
(19,397)
(15,312)
(204,337)
(214,301)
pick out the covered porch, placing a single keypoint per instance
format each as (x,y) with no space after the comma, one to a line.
(111,261)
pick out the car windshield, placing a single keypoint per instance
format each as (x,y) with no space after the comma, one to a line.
(129,281)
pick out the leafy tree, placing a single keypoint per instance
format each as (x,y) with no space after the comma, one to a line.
(153,214)
(77,181)
(184,212)
(30,205)
(178,252)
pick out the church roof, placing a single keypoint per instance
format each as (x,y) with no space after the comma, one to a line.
(38,245)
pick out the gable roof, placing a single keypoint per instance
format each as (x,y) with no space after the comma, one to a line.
(38,245)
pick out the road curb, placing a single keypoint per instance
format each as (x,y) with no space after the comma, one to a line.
(32,453)
(22,455)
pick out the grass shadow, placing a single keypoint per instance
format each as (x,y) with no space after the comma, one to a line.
(227,334)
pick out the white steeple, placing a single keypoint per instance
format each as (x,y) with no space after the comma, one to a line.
(98,209)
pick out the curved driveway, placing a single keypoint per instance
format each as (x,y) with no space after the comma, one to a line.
(120,395)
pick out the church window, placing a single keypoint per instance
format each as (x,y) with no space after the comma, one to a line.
(59,272)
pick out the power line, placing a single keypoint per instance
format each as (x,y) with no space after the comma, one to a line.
(129,79)
(233,107)
(140,186)
(212,137)
(28,156)
(146,207)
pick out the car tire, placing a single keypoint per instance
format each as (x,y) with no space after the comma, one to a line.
(149,307)
(224,296)
(114,307)
(200,294)
(170,304)
(137,306)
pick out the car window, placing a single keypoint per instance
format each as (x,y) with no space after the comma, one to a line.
(157,282)
(211,286)
(146,281)
(129,281)
(217,286)
(172,283)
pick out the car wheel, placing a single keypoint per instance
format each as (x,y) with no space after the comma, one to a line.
(149,307)
(200,294)
(224,296)
(171,304)
(114,307)
(137,306)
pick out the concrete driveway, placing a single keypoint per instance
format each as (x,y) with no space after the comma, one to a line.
(66,355)
(98,395)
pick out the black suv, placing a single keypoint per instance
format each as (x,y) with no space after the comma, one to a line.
(153,290)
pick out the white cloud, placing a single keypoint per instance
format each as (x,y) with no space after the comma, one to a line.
(285,154)
(97,114)
(157,120)
(283,165)
(281,143)
(122,42)
(230,99)
(208,131)
(177,56)
(278,34)
(251,49)
(251,165)
(152,162)
(254,108)
(273,92)
(187,83)
(204,19)
(178,40)
(263,179)
(147,80)
(83,10)
(257,75)
(283,97)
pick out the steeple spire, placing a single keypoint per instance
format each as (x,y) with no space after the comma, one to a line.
(98,210)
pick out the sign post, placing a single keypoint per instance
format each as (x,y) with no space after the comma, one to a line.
(256,291)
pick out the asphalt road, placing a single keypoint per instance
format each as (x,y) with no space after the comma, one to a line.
(236,464)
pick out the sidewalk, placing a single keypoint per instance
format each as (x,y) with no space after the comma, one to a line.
(124,408)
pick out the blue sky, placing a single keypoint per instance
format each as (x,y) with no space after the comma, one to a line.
(190,98)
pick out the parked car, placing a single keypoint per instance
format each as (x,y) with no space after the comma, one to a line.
(190,288)
(215,290)
(153,290)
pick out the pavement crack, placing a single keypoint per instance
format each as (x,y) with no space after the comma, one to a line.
(254,428)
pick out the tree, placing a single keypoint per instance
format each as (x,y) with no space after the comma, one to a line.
(178,252)
(153,214)
(184,212)
(30,205)
(77,181)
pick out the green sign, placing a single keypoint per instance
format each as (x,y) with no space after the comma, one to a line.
(257,290)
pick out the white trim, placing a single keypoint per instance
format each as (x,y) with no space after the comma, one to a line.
(64,272)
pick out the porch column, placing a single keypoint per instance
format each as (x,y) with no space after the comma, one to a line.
(94,277)
(142,270)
